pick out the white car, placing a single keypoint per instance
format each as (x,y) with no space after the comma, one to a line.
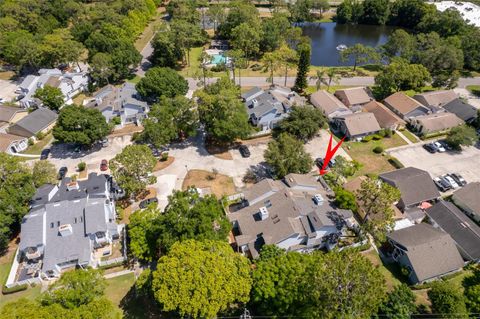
(450,181)
(439,147)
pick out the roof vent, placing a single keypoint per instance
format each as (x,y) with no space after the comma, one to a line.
(263,213)
(72,185)
(65,229)
(318,199)
(254,103)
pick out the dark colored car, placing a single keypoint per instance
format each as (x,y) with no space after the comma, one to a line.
(104,165)
(244,151)
(430,148)
(459,179)
(319,162)
(44,154)
(440,185)
(445,144)
(62,172)
(144,203)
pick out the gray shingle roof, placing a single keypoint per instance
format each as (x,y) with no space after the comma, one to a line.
(461,109)
(415,185)
(461,228)
(431,252)
(469,196)
(36,121)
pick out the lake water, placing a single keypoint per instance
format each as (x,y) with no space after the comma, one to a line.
(327,36)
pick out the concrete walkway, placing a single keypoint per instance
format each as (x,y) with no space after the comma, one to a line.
(404,138)
(118,273)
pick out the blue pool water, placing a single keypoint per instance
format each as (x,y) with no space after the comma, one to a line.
(218,59)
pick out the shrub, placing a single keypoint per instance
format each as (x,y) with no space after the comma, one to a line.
(367,138)
(31,141)
(395,162)
(74,177)
(256,67)
(164,156)
(377,137)
(116,120)
(82,166)
(40,136)
(378,150)
(11,290)
(113,265)
(219,68)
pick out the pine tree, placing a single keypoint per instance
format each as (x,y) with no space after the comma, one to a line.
(304,51)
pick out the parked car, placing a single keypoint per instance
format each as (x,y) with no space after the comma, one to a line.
(144,203)
(430,148)
(104,142)
(439,147)
(458,179)
(449,180)
(440,185)
(244,151)
(44,154)
(445,145)
(62,172)
(104,165)
(319,161)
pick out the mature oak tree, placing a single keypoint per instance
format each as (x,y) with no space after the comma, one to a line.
(161,82)
(303,122)
(50,96)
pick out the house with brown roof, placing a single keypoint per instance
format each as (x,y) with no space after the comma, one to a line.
(10,115)
(416,186)
(437,122)
(385,118)
(328,104)
(354,97)
(468,199)
(436,98)
(357,125)
(294,214)
(12,144)
(425,252)
(404,106)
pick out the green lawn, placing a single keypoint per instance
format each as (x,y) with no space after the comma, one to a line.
(118,289)
(150,30)
(474,89)
(37,148)
(390,279)
(423,89)
(372,163)
(410,136)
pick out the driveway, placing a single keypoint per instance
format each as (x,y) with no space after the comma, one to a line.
(7,90)
(466,162)
(317,147)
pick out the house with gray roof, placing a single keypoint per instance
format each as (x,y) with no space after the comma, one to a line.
(464,231)
(123,102)
(69,225)
(295,214)
(436,122)
(462,110)
(425,252)
(41,120)
(415,185)
(266,108)
(468,199)
(436,98)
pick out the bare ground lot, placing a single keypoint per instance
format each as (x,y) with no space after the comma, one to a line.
(466,162)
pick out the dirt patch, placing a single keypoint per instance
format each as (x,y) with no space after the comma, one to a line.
(7,75)
(7,257)
(126,130)
(83,174)
(257,140)
(164,164)
(150,192)
(219,184)
(219,151)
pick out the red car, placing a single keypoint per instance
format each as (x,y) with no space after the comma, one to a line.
(104,165)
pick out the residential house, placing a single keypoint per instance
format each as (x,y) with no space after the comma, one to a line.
(41,121)
(436,98)
(415,185)
(12,144)
(463,230)
(266,108)
(10,115)
(404,106)
(294,214)
(461,109)
(70,83)
(69,225)
(425,252)
(385,118)
(357,125)
(437,122)
(328,104)
(354,98)
(468,199)
(123,102)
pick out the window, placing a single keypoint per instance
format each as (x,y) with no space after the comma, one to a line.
(58,223)
(75,220)
(51,225)
(81,219)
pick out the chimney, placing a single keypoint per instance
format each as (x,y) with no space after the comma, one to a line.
(65,230)
(263,213)
(72,186)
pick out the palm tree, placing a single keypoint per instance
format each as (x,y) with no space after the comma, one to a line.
(332,76)
(320,79)
(270,64)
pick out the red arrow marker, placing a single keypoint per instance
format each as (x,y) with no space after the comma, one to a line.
(330,154)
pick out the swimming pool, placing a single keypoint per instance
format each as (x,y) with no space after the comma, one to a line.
(218,59)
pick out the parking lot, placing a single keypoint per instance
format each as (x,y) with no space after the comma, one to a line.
(466,162)
(7,90)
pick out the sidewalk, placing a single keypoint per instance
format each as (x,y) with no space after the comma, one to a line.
(118,273)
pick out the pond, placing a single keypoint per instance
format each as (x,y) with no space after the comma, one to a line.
(327,36)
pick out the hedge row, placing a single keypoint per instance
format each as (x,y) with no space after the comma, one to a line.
(395,162)
(11,290)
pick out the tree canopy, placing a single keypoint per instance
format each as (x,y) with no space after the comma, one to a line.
(399,304)
(51,97)
(201,278)
(461,136)
(160,82)
(80,125)
(287,155)
(448,300)
(44,172)
(133,167)
(303,122)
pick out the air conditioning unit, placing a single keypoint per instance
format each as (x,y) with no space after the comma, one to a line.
(318,199)
(65,229)
(263,213)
